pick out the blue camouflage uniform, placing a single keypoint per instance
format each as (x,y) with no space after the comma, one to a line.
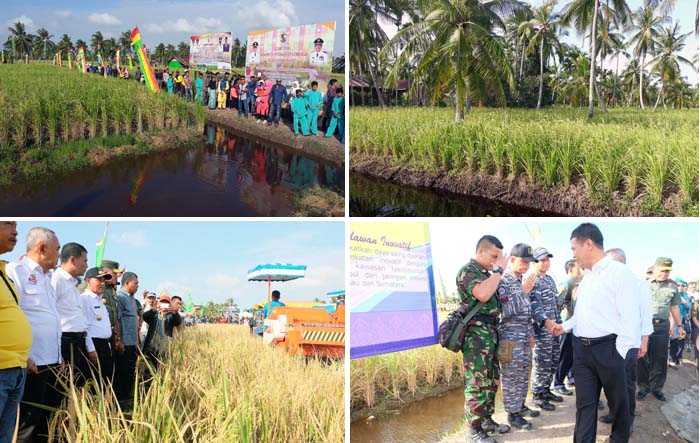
(543,298)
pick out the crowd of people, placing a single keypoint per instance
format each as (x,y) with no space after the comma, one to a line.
(121,72)
(607,329)
(61,320)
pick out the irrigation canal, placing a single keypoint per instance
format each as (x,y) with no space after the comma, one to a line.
(370,197)
(423,421)
(225,175)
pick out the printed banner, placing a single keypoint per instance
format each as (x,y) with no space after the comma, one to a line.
(392,292)
(301,53)
(211,52)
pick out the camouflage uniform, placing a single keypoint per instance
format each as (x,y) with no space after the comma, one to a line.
(694,329)
(109,299)
(546,352)
(516,326)
(479,352)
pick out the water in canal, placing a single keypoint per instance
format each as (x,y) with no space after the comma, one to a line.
(373,198)
(424,421)
(228,175)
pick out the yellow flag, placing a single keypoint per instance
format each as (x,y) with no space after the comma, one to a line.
(537,233)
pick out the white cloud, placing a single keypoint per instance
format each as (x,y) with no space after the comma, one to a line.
(104,19)
(63,14)
(209,23)
(200,24)
(154,28)
(28,22)
(269,13)
(130,238)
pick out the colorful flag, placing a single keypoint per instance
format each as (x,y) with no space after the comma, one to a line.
(101,247)
(189,307)
(143,60)
(118,51)
(131,61)
(70,59)
(81,60)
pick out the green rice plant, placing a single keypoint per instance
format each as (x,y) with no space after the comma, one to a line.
(655,178)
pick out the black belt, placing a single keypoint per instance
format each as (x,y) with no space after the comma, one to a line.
(596,341)
(658,321)
(101,340)
(488,319)
(74,334)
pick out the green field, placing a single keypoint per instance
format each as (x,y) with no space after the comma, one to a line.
(46,105)
(632,154)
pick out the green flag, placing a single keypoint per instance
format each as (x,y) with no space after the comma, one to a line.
(189,307)
(101,247)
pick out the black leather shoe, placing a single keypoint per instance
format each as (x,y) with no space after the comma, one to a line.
(607,418)
(543,404)
(527,412)
(517,421)
(551,397)
(642,394)
(491,426)
(478,435)
(659,395)
(562,390)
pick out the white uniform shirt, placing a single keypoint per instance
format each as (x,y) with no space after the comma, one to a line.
(97,315)
(39,305)
(69,305)
(646,315)
(318,58)
(607,303)
(254,58)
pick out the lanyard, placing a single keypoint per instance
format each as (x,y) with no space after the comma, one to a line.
(9,287)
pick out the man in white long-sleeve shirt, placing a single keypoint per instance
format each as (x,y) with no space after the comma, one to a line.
(99,326)
(76,346)
(606,330)
(32,278)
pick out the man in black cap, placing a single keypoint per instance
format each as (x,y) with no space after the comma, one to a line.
(515,329)
(99,327)
(253,56)
(651,370)
(109,299)
(318,57)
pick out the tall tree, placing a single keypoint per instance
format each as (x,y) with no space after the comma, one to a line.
(645,28)
(22,40)
(183,50)
(545,34)
(666,63)
(159,53)
(65,44)
(46,42)
(97,42)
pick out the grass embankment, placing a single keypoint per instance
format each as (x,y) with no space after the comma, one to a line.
(627,157)
(219,385)
(385,381)
(51,108)
(319,202)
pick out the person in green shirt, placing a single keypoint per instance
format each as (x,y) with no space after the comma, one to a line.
(337,115)
(199,86)
(299,110)
(314,100)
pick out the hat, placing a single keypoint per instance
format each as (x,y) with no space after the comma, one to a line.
(255,44)
(164,298)
(541,253)
(523,251)
(151,295)
(681,282)
(664,263)
(97,273)
(109,264)
(318,41)
(650,270)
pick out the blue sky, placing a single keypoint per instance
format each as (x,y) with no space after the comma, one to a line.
(170,21)
(210,260)
(454,242)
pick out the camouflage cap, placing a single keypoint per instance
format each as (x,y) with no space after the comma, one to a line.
(109,264)
(523,251)
(664,264)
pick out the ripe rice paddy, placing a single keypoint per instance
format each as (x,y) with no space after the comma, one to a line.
(218,385)
(629,155)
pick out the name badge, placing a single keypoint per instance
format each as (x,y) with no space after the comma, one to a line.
(31,279)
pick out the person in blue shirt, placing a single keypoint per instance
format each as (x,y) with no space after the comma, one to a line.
(314,100)
(299,111)
(277,97)
(337,116)
(677,344)
(251,86)
(274,303)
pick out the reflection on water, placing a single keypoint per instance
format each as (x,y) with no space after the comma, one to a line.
(374,198)
(424,421)
(229,175)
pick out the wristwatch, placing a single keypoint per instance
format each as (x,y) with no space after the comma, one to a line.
(497,270)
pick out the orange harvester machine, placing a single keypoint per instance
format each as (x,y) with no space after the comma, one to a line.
(310,331)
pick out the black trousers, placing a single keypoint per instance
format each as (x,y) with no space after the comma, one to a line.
(104,357)
(651,370)
(566,358)
(631,381)
(42,389)
(125,373)
(675,351)
(595,367)
(74,353)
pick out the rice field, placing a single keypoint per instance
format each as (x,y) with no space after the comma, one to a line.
(630,153)
(218,385)
(45,105)
(402,375)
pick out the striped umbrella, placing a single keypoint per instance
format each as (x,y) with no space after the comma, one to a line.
(275,272)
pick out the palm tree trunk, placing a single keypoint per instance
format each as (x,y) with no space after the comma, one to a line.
(591,82)
(641,81)
(376,87)
(522,61)
(539,97)
(658,98)
(601,101)
(617,74)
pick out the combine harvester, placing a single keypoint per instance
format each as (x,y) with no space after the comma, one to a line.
(302,328)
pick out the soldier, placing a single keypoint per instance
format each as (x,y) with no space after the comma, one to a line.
(546,351)
(317,57)
(110,300)
(651,370)
(475,285)
(567,299)
(516,327)
(254,56)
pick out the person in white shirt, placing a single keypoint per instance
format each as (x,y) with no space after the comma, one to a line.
(606,330)
(32,278)
(99,327)
(646,328)
(253,56)
(76,346)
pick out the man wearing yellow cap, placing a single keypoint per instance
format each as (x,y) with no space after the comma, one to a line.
(651,370)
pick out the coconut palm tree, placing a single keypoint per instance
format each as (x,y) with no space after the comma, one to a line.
(458,49)
(97,42)
(666,63)
(545,26)
(22,40)
(46,43)
(159,53)
(665,7)
(183,50)
(645,28)
(125,40)
(580,14)
(65,44)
